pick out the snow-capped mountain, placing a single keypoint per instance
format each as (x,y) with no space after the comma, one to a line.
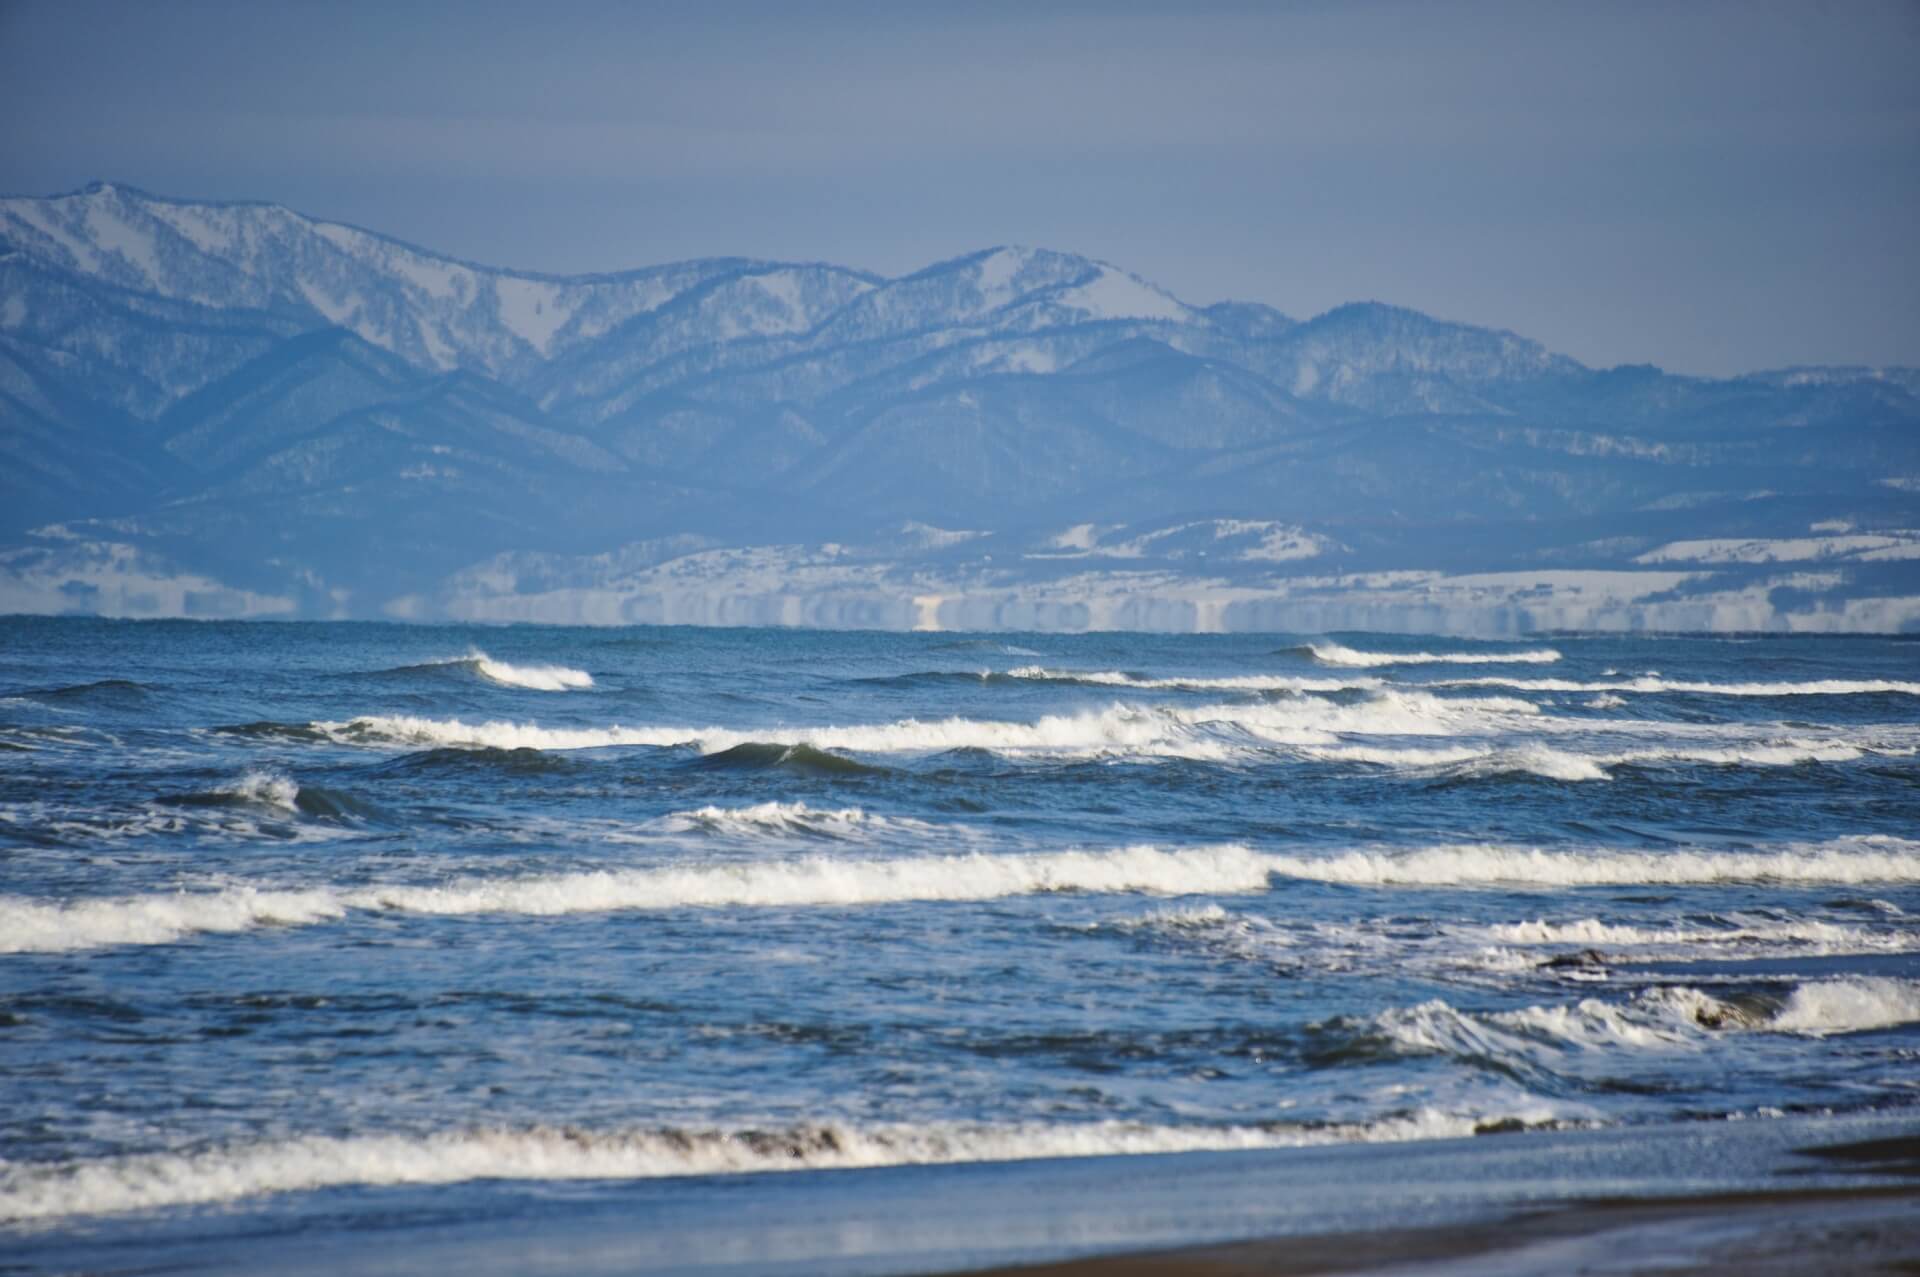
(278,408)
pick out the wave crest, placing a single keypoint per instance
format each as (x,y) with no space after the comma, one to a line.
(1653,683)
(1204,732)
(1337,654)
(1876,858)
(26,926)
(149,1181)
(1536,1038)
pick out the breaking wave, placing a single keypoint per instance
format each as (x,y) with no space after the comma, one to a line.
(30,927)
(31,1191)
(1668,1017)
(1335,654)
(279,794)
(255,789)
(1871,859)
(1654,683)
(539,678)
(1198,732)
(27,926)
(1237,683)
(1738,930)
(1471,762)
(786,818)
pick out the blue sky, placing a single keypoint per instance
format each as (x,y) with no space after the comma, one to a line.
(1711,187)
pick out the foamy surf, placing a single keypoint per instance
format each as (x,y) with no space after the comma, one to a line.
(1674,1017)
(1337,654)
(539,678)
(148,1181)
(788,818)
(268,789)
(1653,683)
(1201,732)
(1872,859)
(1739,932)
(30,927)
(1195,683)
(27,926)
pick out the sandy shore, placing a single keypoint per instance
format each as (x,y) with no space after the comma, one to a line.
(1790,1195)
(1758,1233)
(1785,1234)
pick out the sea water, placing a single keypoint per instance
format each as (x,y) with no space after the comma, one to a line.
(291,910)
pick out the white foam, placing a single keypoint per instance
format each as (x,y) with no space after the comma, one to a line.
(1675,1017)
(1154,730)
(1539,760)
(823,881)
(1787,753)
(539,678)
(1529,1034)
(1195,683)
(1652,682)
(264,788)
(32,1191)
(1807,935)
(1849,1006)
(30,927)
(1870,859)
(780,818)
(27,926)
(1335,654)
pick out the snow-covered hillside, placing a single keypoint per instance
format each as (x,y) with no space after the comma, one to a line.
(213,407)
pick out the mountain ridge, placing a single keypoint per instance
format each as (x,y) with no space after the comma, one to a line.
(182,379)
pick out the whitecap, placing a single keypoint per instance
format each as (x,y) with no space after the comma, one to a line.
(1166,731)
(1336,654)
(148,1181)
(539,678)
(29,926)
(1653,683)
(1875,858)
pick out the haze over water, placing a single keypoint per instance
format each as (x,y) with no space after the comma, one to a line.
(292,909)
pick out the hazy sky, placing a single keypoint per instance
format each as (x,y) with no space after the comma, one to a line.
(1714,188)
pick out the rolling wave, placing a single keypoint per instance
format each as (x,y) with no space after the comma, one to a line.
(27,926)
(147,1181)
(1161,730)
(1335,654)
(1236,683)
(1739,932)
(1472,762)
(1673,1017)
(788,818)
(105,693)
(1653,683)
(538,678)
(255,789)
(1876,858)
(279,793)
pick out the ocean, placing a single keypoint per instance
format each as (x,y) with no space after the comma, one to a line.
(341,926)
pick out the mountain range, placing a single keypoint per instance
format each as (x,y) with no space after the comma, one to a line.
(221,409)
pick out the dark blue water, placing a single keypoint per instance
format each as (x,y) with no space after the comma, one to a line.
(291,909)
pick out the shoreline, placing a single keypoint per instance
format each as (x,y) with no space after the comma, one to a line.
(1861,1230)
(1759,1192)
(1758,1231)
